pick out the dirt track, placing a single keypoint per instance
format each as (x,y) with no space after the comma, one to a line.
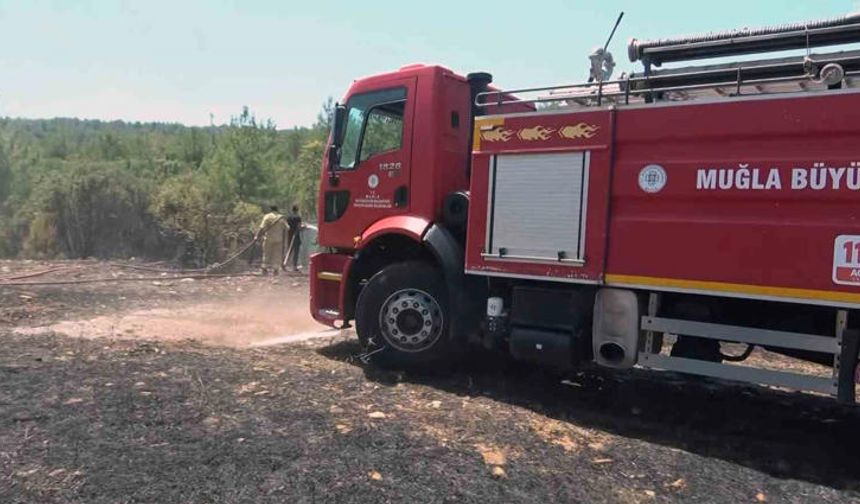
(125,419)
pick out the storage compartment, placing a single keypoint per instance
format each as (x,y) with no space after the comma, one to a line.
(537,206)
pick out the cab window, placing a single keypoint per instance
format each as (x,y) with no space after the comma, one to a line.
(384,130)
(374,124)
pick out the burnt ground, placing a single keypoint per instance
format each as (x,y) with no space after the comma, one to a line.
(133,418)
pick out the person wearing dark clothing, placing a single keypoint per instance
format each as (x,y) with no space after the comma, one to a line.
(294,237)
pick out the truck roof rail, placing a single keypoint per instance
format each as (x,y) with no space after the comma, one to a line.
(780,75)
(804,35)
(809,72)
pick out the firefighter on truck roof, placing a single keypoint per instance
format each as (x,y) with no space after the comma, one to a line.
(273,229)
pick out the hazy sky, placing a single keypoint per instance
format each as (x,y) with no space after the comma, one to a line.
(180,61)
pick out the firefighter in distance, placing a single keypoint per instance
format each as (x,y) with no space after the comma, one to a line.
(273,229)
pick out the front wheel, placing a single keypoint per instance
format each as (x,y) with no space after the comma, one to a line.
(402,316)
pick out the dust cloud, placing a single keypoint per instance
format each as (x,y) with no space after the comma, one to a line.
(257,319)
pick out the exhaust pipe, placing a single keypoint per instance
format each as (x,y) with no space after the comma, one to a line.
(479,82)
(615,328)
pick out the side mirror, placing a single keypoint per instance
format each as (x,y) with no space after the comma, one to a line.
(334,146)
(338,122)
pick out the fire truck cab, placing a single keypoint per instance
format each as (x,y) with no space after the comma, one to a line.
(394,187)
(404,147)
(657,220)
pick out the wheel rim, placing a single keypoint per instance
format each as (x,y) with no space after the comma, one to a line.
(411,320)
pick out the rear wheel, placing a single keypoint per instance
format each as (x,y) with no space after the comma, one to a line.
(402,316)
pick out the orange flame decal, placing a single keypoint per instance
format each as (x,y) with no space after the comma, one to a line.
(581,130)
(497,134)
(535,133)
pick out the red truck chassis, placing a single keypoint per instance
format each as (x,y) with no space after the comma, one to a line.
(647,221)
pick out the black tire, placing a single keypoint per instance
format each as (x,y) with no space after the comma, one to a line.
(402,317)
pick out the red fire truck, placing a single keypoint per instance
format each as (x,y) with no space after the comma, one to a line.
(674,218)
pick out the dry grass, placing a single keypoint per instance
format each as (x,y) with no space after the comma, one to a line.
(118,420)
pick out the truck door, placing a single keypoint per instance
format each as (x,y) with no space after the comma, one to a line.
(372,178)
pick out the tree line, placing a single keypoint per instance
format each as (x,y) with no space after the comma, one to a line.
(85,188)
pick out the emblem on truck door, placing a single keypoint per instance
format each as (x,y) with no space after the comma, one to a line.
(652,178)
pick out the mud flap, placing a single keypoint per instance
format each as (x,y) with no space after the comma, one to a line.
(845,392)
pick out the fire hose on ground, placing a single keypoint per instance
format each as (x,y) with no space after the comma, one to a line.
(179,274)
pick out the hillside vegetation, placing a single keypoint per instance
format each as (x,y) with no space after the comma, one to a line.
(83,188)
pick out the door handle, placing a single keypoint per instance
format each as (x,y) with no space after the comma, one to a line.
(401,196)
